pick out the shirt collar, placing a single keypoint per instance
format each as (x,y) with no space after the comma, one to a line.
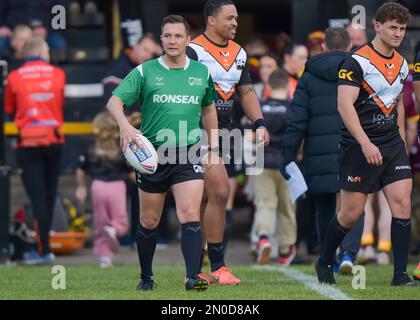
(163,64)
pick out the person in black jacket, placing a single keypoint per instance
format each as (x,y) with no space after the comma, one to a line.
(314,119)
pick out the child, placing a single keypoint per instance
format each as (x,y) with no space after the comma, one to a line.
(107,169)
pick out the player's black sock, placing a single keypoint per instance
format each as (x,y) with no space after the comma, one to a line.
(215,251)
(146,244)
(335,234)
(203,252)
(400,237)
(191,247)
(228,228)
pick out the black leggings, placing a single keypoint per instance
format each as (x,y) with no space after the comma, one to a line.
(40,171)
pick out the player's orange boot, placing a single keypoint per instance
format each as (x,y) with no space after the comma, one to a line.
(208,277)
(224,276)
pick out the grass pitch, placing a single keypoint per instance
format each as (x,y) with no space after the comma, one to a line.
(90,282)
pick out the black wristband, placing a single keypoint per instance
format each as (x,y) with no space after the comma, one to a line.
(259,123)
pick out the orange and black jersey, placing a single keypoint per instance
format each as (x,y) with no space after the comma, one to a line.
(229,69)
(416,69)
(381,81)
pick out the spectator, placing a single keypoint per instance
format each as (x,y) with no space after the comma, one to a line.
(358,36)
(314,118)
(281,41)
(107,169)
(314,43)
(255,48)
(36,14)
(272,199)
(294,59)
(21,34)
(268,63)
(145,49)
(35,97)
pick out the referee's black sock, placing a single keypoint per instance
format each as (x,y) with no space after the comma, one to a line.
(191,247)
(146,244)
(400,237)
(335,234)
(228,229)
(215,251)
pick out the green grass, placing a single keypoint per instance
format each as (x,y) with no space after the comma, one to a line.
(90,282)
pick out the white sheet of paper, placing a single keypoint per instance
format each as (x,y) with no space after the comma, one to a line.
(296,183)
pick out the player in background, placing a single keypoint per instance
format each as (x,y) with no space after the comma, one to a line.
(227,63)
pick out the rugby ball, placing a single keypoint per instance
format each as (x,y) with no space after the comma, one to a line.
(141,155)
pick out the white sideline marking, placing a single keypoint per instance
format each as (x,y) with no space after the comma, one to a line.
(309,281)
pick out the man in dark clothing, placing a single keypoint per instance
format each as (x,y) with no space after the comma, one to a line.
(145,49)
(314,118)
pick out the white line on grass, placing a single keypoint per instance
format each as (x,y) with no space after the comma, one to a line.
(309,281)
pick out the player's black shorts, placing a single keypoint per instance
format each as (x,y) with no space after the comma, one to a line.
(233,167)
(169,174)
(355,174)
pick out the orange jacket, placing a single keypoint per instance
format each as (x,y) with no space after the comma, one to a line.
(35,95)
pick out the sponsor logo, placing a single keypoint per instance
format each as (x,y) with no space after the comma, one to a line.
(177,99)
(195,81)
(403,168)
(240,64)
(198,169)
(381,118)
(159,81)
(224,54)
(389,66)
(345,75)
(220,103)
(354,179)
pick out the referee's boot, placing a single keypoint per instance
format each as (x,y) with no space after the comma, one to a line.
(403,280)
(146,284)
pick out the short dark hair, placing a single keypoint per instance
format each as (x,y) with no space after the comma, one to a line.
(212,7)
(392,11)
(337,39)
(278,79)
(176,19)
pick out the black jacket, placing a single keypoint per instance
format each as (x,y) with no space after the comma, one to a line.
(313,117)
(275,117)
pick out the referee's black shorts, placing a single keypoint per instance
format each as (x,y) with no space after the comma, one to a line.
(180,169)
(355,174)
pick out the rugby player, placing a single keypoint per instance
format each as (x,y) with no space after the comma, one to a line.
(373,155)
(227,63)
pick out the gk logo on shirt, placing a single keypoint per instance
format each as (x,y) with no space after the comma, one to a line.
(417,67)
(345,75)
